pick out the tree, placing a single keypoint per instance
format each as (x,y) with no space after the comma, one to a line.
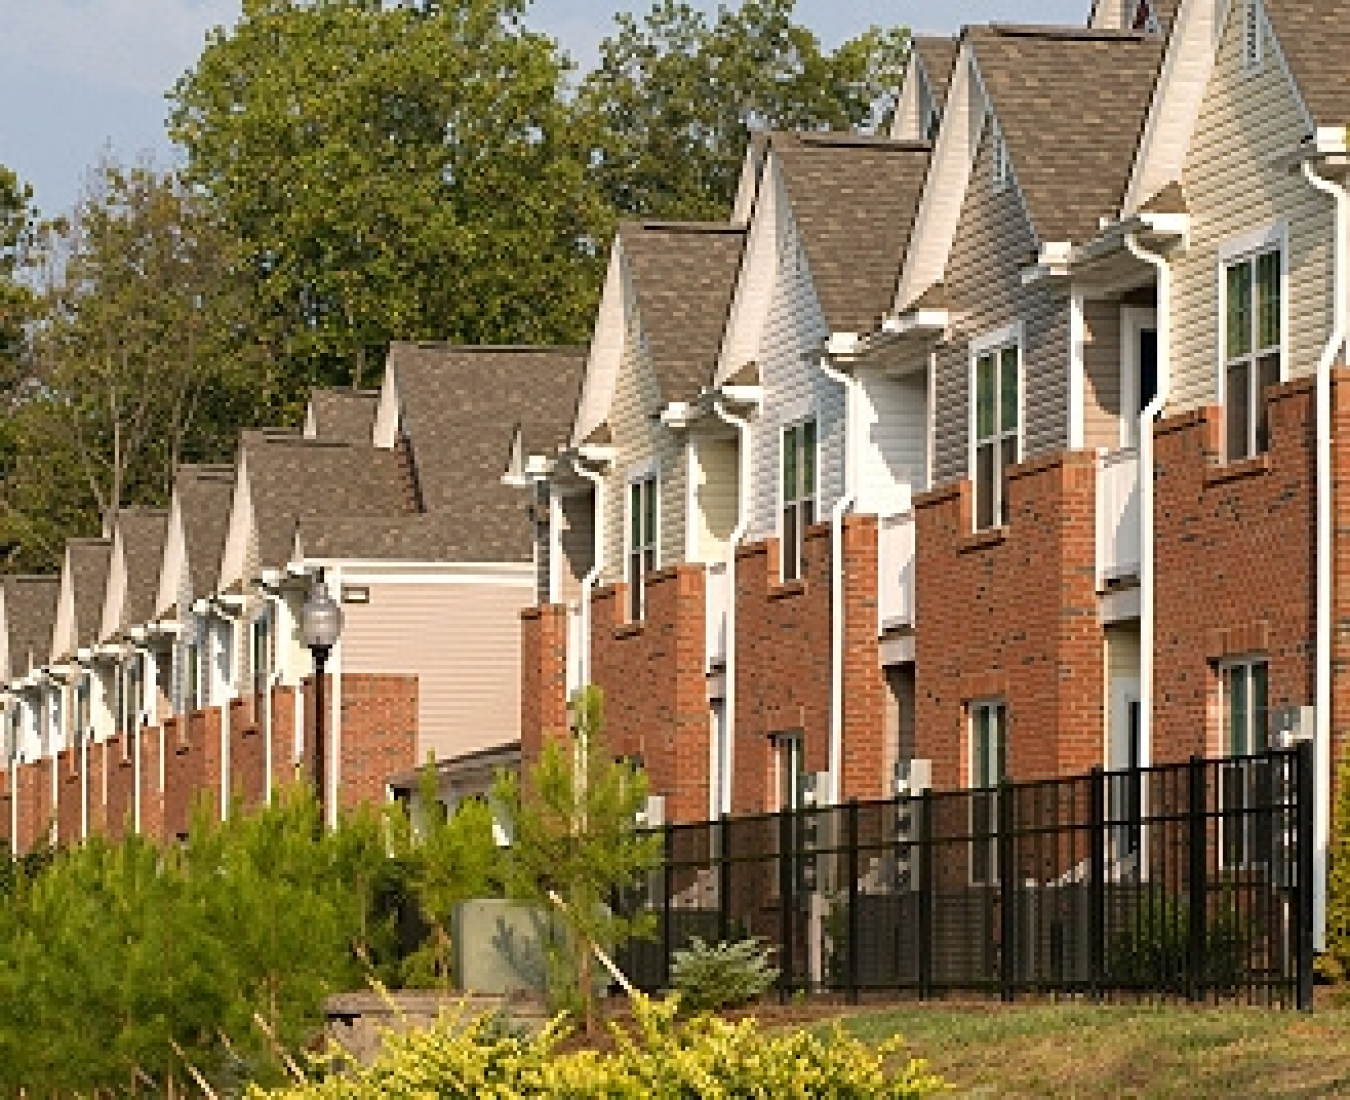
(675,99)
(16,229)
(410,170)
(575,841)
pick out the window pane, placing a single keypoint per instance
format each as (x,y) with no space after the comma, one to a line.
(1268,370)
(999,720)
(808,432)
(1008,458)
(981,761)
(1007,395)
(1148,368)
(635,586)
(1268,300)
(1238,711)
(984,486)
(789,546)
(649,511)
(807,509)
(1260,740)
(984,397)
(1239,318)
(635,514)
(1237,409)
(789,465)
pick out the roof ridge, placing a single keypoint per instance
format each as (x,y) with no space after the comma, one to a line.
(449,345)
(691,227)
(1066,32)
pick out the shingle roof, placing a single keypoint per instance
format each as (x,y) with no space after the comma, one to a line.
(344,416)
(290,477)
(425,537)
(88,560)
(30,617)
(1071,105)
(204,496)
(937,54)
(1315,38)
(142,531)
(683,274)
(854,200)
(460,407)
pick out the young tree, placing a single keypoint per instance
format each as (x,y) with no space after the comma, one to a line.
(16,300)
(675,99)
(573,816)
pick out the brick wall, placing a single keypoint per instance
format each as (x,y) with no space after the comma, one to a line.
(283,737)
(379,734)
(69,787)
(652,674)
(1236,549)
(35,804)
(149,742)
(98,810)
(121,806)
(1011,614)
(191,769)
(543,678)
(248,754)
(6,810)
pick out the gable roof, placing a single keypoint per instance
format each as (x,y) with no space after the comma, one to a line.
(427,537)
(1071,105)
(342,416)
(290,476)
(937,55)
(30,617)
(853,199)
(1315,38)
(203,493)
(87,562)
(460,408)
(141,533)
(683,275)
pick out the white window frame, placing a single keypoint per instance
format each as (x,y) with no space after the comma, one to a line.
(647,474)
(1241,840)
(1246,249)
(790,558)
(985,850)
(789,748)
(994,343)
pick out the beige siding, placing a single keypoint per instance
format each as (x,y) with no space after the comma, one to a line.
(462,640)
(715,495)
(576,541)
(993,243)
(893,452)
(1235,186)
(1101,374)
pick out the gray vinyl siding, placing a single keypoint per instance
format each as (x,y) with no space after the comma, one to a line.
(993,243)
(466,656)
(543,538)
(715,496)
(1234,186)
(794,386)
(1101,374)
(893,453)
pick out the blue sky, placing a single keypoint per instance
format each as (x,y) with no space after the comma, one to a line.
(81,75)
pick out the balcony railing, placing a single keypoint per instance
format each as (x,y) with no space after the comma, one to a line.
(718,595)
(575,640)
(1118,524)
(895,567)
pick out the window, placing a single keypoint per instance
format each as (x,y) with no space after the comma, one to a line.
(1144,18)
(1252,45)
(192,674)
(131,694)
(261,637)
(790,764)
(1247,793)
(81,716)
(15,730)
(799,493)
(988,768)
(54,717)
(641,541)
(1252,349)
(997,430)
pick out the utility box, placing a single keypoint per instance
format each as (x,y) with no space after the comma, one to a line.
(500,948)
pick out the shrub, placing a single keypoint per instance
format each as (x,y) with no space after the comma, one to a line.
(1153,952)
(722,976)
(706,1057)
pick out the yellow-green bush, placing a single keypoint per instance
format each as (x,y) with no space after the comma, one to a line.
(706,1057)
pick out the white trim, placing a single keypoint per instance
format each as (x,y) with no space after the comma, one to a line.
(987,344)
(992,341)
(555,519)
(420,572)
(641,471)
(1134,320)
(1077,371)
(691,527)
(1256,240)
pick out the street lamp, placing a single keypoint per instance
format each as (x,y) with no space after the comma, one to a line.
(320,625)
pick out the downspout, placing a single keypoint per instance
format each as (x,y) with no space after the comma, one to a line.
(1325,546)
(334,723)
(1147,557)
(743,458)
(588,582)
(842,505)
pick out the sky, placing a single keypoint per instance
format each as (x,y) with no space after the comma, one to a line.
(81,76)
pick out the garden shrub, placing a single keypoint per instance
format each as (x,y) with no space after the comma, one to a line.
(1153,951)
(706,1057)
(724,975)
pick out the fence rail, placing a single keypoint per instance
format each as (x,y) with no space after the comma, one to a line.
(1189,881)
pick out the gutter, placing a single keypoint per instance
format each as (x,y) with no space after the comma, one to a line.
(836,344)
(743,456)
(1147,556)
(588,582)
(1325,546)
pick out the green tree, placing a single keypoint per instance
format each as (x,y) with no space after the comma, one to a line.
(675,98)
(573,818)
(404,170)
(16,228)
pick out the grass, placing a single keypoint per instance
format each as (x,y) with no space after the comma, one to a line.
(1139,1051)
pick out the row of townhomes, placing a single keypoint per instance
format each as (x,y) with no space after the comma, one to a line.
(1001,445)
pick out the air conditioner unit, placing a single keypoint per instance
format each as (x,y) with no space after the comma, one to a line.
(913,776)
(653,814)
(1290,724)
(815,788)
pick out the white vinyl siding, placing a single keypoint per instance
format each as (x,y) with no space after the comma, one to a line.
(717,467)
(467,656)
(893,448)
(1234,183)
(993,243)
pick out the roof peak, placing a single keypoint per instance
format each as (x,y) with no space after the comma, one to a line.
(1064,32)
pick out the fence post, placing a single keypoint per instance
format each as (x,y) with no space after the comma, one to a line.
(786,874)
(1305,792)
(1007,892)
(724,879)
(667,878)
(926,892)
(1097,881)
(851,870)
(1197,830)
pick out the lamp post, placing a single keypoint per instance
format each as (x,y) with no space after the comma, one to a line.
(320,625)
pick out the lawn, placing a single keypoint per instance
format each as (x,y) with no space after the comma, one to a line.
(1091,1051)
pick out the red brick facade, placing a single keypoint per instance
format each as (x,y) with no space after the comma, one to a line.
(69,797)
(378,738)
(543,686)
(1010,615)
(248,753)
(653,675)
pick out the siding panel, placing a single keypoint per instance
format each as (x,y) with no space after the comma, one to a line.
(894,450)
(1101,374)
(716,496)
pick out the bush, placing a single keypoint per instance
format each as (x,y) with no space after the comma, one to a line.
(706,1057)
(723,976)
(1154,951)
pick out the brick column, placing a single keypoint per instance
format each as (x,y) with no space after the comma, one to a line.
(378,736)
(543,684)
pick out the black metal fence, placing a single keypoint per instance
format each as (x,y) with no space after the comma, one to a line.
(1189,881)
